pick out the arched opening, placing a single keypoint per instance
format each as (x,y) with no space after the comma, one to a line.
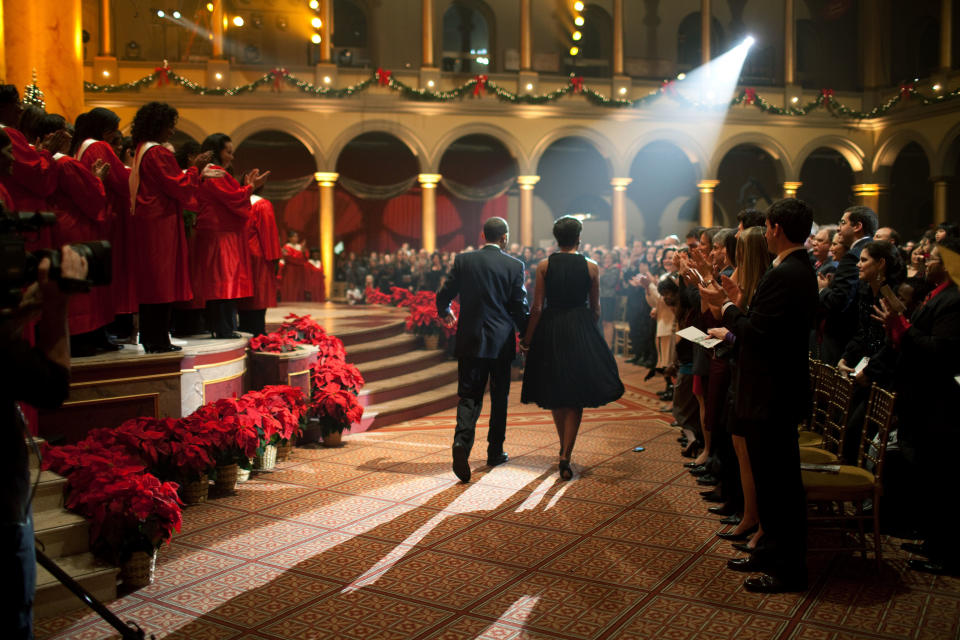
(911,193)
(179,138)
(574,179)
(662,173)
(748,179)
(478,171)
(377,199)
(689,45)
(291,187)
(467,37)
(596,48)
(349,34)
(827,184)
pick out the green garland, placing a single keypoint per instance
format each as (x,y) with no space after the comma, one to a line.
(481,85)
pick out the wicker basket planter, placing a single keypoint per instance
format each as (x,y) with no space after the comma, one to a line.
(268,460)
(431,342)
(283,451)
(244,474)
(226,481)
(139,570)
(333,439)
(196,491)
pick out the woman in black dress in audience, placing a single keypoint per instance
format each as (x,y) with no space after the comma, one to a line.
(569,365)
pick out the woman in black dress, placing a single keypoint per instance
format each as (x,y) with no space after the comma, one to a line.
(569,365)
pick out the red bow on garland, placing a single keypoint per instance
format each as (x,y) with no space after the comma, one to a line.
(481,85)
(749,95)
(827,93)
(278,75)
(668,88)
(383,77)
(577,82)
(906,90)
(163,75)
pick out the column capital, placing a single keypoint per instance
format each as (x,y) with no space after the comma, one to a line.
(869,189)
(620,184)
(326,178)
(707,186)
(792,186)
(429,180)
(527,182)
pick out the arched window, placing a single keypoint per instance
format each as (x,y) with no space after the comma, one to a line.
(688,40)
(467,37)
(349,33)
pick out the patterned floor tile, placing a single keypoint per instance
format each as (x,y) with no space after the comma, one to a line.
(327,509)
(301,556)
(574,608)
(157,620)
(250,537)
(262,493)
(681,620)
(620,563)
(560,513)
(357,615)
(393,486)
(602,443)
(71,623)
(508,543)
(178,565)
(618,491)
(470,628)
(661,529)
(708,581)
(370,458)
(317,474)
(443,579)
(674,498)
(636,466)
(805,631)
(413,525)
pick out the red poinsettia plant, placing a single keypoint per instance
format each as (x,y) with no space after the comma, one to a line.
(423,319)
(339,372)
(280,410)
(282,341)
(336,407)
(375,296)
(231,433)
(401,297)
(304,328)
(331,348)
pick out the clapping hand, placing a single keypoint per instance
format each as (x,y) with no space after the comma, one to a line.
(732,290)
(448,319)
(712,294)
(100,168)
(882,313)
(56,142)
(203,159)
(255,178)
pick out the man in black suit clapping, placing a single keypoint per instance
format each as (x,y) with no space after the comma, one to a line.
(772,393)
(493,306)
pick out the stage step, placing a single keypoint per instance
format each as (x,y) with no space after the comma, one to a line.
(62,533)
(408,408)
(400,365)
(49,495)
(53,598)
(34,463)
(412,383)
(362,335)
(379,349)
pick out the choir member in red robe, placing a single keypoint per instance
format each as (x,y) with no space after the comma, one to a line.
(6,166)
(188,317)
(221,250)
(264,243)
(34,175)
(82,215)
(293,259)
(159,190)
(95,138)
(313,282)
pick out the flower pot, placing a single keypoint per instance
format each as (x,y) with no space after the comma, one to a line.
(267,460)
(243,475)
(195,491)
(226,481)
(283,451)
(431,342)
(333,439)
(139,570)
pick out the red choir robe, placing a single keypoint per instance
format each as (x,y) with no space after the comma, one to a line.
(117,186)
(5,199)
(313,281)
(80,203)
(264,243)
(31,183)
(161,271)
(293,260)
(221,257)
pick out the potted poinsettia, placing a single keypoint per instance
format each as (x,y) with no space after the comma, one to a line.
(401,297)
(424,321)
(275,342)
(375,296)
(232,437)
(282,411)
(336,407)
(304,328)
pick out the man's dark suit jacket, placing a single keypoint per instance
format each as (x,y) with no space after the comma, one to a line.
(493,302)
(772,374)
(838,307)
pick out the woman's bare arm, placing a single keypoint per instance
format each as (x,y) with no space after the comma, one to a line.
(537,308)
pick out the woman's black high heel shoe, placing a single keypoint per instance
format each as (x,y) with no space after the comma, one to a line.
(566,473)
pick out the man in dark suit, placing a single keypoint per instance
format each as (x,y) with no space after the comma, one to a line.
(838,309)
(493,306)
(772,393)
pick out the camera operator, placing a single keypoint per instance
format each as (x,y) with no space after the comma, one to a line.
(40,376)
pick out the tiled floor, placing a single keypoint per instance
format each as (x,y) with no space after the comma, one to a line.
(378,540)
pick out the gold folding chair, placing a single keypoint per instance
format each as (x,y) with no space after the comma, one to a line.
(834,407)
(811,434)
(856,483)
(621,329)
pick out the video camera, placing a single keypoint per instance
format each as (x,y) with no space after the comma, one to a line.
(18,267)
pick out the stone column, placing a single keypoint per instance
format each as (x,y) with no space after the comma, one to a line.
(526,48)
(618,223)
(216,28)
(705,16)
(789,44)
(706,188)
(526,208)
(790,189)
(946,34)
(326,31)
(939,200)
(618,37)
(326,182)
(3,47)
(871,195)
(44,35)
(651,20)
(426,33)
(107,48)
(428,215)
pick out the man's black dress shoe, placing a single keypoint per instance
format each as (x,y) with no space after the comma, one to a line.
(708,480)
(743,546)
(770,584)
(499,458)
(461,467)
(698,471)
(914,548)
(745,565)
(712,496)
(723,510)
(730,535)
(691,465)
(934,567)
(161,348)
(734,519)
